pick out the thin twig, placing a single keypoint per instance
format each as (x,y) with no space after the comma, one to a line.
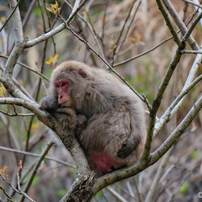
(187,35)
(175,105)
(36,155)
(125,22)
(151,49)
(169,23)
(198,5)
(127,30)
(58,29)
(16,114)
(137,189)
(193,44)
(27,67)
(160,171)
(190,52)
(115,194)
(103,25)
(157,102)
(10,15)
(144,53)
(34,171)
(177,132)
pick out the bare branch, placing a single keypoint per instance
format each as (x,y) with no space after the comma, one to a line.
(16,6)
(180,24)
(36,155)
(144,53)
(16,114)
(157,101)
(195,4)
(34,171)
(57,29)
(14,141)
(158,176)
(178,101)
(28,13)
(127,30)
(168,22)
(177,132)
(193,25)
(190,52)
(115,194)
(27,67)
(17,22)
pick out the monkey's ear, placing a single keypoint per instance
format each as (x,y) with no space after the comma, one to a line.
(82,73)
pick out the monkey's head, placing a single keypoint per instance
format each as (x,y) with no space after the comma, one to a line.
(68,83)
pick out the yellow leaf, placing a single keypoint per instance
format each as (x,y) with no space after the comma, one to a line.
(3,19)
(111,42)
(20,164)
(133,39)
(55,5)
(48,9)
(2,90)
(52,59)
(3,171)
(47,62)
(54,8)
(55,58)
(106,20)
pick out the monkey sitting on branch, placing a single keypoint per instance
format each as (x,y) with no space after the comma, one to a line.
(106,117)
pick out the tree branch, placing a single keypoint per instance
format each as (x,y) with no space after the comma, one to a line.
(34,170)
(157,102)
(168,22)
(187,86)
(180,24)
(58,29)
(177,132)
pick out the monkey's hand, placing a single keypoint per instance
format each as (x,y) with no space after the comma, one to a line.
(49,104)
(128,147)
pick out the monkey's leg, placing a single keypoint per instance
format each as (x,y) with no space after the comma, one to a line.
(109,138)
(129,146)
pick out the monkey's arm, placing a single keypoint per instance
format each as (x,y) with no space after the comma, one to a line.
(66,116)
(128,146)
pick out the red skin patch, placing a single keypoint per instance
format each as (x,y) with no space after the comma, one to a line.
(104,162)
(62,87)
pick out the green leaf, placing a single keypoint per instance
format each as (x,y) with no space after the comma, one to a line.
(185,187)
(195,154)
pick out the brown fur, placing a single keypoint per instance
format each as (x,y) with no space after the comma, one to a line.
(112,115)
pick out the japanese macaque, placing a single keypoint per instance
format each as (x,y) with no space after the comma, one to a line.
(107,118)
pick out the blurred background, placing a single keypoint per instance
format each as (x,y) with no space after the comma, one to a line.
(102,20)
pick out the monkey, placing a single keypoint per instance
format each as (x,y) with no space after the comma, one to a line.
(106,116)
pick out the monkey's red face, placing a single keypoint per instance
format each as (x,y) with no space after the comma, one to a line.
(62,87)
